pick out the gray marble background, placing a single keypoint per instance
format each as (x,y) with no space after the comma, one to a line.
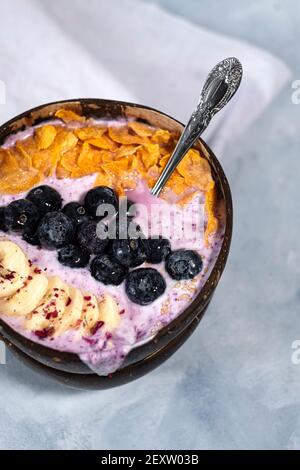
(233,384)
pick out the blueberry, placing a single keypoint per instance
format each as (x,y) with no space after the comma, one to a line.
(2,220)
(97,196)
(123,228)
(46,199)
(107,270)
(31,236)
(89,237)
(76,212)
(144,285)
(73,256)
(55,230)
(183,264)
(20,215)
(157,249)
(130,252)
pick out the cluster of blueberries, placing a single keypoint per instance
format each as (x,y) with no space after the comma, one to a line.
(73,230)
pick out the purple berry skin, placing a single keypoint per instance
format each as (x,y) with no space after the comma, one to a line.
(144,285)
(88,238)
(106,269)
(45,198)
(20,215)
(55,230)
(183,264)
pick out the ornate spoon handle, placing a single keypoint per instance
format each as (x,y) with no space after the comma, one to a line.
(220,86)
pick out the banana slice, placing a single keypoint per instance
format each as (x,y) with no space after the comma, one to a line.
(90,312)
(27,298)
(48,302)
(14,268)
(72,314)
(109,313)
(51,307)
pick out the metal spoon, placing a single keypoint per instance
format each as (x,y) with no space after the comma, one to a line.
(220,86)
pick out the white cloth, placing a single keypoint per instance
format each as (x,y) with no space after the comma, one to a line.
(128,50)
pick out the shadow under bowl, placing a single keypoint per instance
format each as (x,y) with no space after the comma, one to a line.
(66,367)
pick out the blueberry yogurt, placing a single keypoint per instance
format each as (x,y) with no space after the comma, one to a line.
(136,284)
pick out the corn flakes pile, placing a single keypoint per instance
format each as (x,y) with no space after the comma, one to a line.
(118,154)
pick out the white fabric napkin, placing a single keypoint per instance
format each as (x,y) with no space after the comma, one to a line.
(129,50)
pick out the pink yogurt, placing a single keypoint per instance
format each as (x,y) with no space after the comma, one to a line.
(104,353)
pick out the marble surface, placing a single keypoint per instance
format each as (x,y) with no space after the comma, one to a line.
(233,384)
